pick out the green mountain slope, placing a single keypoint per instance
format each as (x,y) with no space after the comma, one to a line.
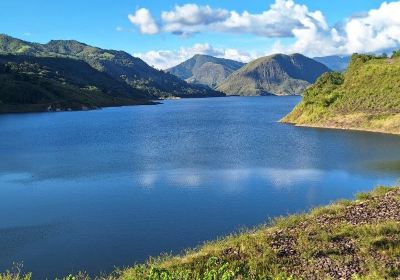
(30,83)
(205,69)
(276,74)
(365,97)
(117,64)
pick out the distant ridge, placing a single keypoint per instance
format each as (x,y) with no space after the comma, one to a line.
(277,74)
(205,69)
(334,62)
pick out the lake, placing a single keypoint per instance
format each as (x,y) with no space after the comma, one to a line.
(97,189)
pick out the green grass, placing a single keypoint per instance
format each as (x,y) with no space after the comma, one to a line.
(379,191)
(366,97)
(322,244)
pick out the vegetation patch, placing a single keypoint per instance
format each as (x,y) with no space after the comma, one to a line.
(365,97)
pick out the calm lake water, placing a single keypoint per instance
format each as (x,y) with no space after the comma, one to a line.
(98,189)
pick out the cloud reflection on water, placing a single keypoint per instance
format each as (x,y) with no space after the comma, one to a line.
(231,180)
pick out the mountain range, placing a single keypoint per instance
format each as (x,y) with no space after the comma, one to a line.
(277,74)
(67,74)
(116,77)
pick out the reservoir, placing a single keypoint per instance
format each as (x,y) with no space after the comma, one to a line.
(94,190)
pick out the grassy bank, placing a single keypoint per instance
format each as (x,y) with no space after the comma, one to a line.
(365,97)
(357,239)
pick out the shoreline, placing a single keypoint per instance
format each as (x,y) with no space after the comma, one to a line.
(6,109)
(356,129)
(44,108)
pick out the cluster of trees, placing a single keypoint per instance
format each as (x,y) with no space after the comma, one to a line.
(366,57)
(396,54)
(23,72)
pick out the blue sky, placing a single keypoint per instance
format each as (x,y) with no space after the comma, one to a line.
(105,23)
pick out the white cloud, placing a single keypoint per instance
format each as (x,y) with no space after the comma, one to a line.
(164,59)
(373,31)
(278,21)
(377,30)
(191,18)
(286,178)
(144,20)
